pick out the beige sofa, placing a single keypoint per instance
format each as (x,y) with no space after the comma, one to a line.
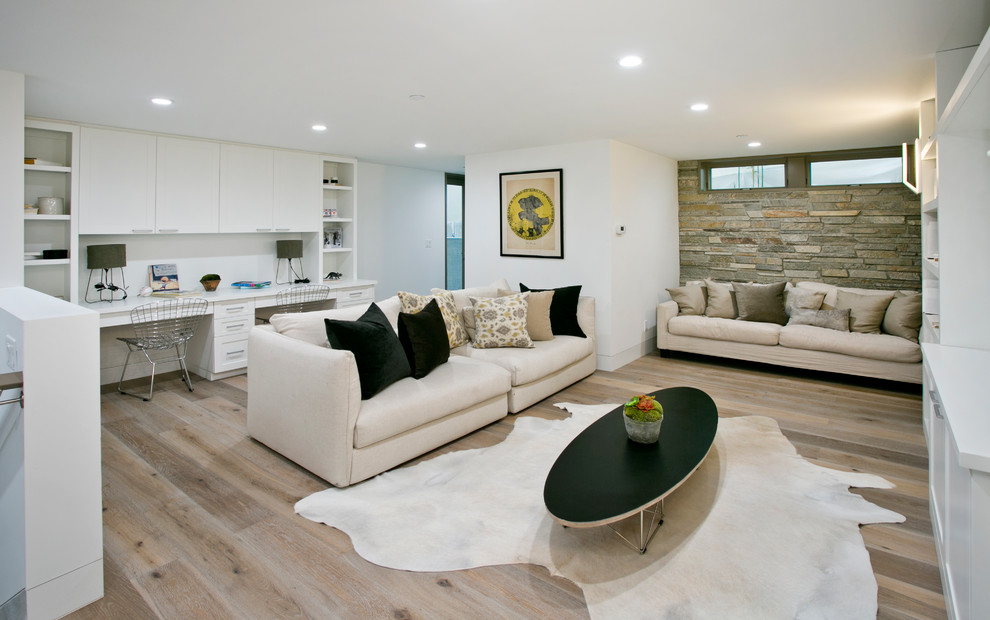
(877,355)
(304,398)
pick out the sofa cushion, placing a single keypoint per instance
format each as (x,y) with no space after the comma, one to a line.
(870,346)
(456,334)
(866,312)
(537,313)
(690,299)
(378,354)
(424,338)
(545,358)
(761,302)
(500,322)
(563,309)
(409,404)
(903,316)
(309,326)
(829,319)
(721,300)
(724,329)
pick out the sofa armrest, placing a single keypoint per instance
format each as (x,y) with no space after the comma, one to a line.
(303,402)
(665,311)
(586,315)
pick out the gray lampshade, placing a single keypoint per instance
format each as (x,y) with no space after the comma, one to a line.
(106,256)
(288,248)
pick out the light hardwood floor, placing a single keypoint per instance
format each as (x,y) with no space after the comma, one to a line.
(198,519)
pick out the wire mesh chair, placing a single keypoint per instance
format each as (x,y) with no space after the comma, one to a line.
(159,327)
(301,298)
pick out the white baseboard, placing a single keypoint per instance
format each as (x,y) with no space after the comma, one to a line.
(614,362)
(66,593)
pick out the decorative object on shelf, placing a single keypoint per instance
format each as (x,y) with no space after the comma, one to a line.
(643,416)
(251,284)
(330,212)
(333,238)
(50,205)
(289,249)
(164,277)
(106,258)
(531,221)
(29,210)
(210,281)
(334,275)
(54,254)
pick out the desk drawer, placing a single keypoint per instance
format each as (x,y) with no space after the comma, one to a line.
(233,310)
(229,354)
(354,296)
(239,326)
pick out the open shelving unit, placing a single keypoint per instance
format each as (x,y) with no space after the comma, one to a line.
(339,217)
(58,144)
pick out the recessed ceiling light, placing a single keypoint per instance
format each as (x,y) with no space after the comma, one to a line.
(161,101)
(754,144)
(417,97)
(699,107)
(319,127)
(420,145)
(630,61)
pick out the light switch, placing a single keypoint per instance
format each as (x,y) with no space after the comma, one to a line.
(11,352)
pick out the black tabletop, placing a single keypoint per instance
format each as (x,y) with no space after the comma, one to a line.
(602,476)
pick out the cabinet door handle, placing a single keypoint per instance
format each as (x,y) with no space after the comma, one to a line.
(141,230)
(237,352)
(282,229)
(234,308)
(936,404)
(356,294)
(263,229)
(168,230)
(235,325)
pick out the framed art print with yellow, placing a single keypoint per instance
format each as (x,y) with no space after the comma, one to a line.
(531,221)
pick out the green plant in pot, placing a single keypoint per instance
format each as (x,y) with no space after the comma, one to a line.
(643,416)
(210,281)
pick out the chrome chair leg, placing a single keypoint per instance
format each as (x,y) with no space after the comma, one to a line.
(182,364)
(151,387)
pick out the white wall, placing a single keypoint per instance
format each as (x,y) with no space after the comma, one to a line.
(646,257)
(399,210)
(11,179)
(605,183)
(13,563)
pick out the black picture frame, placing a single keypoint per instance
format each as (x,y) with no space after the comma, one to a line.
(531,213)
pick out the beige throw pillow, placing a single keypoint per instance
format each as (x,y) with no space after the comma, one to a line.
(413,303)
(537,313)
(500,322)
(802,299)
(690,299)
(866,312)
(903,316)
(721,300)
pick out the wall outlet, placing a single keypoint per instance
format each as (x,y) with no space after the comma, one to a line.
(429,243)
(11,352)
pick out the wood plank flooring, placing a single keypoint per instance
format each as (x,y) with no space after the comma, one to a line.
(198,519)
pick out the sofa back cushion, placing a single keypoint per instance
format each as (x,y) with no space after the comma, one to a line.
(461,296)
(309,326)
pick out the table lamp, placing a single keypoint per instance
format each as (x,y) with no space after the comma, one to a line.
(288,249)
(106,258)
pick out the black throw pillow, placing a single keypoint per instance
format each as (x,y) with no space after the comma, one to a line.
(563,309)
(424,337)
(379,356)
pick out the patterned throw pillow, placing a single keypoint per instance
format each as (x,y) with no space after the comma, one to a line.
(413,303)
(500,322)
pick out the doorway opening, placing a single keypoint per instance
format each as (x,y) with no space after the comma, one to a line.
(454,237)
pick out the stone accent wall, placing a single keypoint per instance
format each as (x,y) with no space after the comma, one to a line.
(851,236)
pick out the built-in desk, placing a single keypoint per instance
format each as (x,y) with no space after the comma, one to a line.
(219,348)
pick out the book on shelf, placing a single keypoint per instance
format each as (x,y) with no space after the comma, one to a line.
(177,293)
(164,277)
(37,161)
(251,284)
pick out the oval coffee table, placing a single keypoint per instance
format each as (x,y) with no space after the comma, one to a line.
(603,477)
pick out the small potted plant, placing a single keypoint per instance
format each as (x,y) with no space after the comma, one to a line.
(210,281)
(643,416)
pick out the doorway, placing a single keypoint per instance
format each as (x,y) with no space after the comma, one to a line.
(454,236)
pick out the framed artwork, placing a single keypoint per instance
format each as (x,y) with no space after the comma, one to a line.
(532,217)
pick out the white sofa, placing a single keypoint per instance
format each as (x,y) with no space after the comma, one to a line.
(304,398)
(882,356)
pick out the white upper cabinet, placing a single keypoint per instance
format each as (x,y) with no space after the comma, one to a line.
(247,188)
(188,186)
(297,195)
(116,182)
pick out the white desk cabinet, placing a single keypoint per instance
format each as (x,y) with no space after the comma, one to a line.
(247,186)
(116,182)
(957,423)
(297,194)
(188,186)
(220,346)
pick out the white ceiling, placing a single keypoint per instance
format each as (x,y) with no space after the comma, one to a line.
(796,75)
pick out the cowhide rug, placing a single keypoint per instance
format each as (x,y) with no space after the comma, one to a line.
(756,532)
